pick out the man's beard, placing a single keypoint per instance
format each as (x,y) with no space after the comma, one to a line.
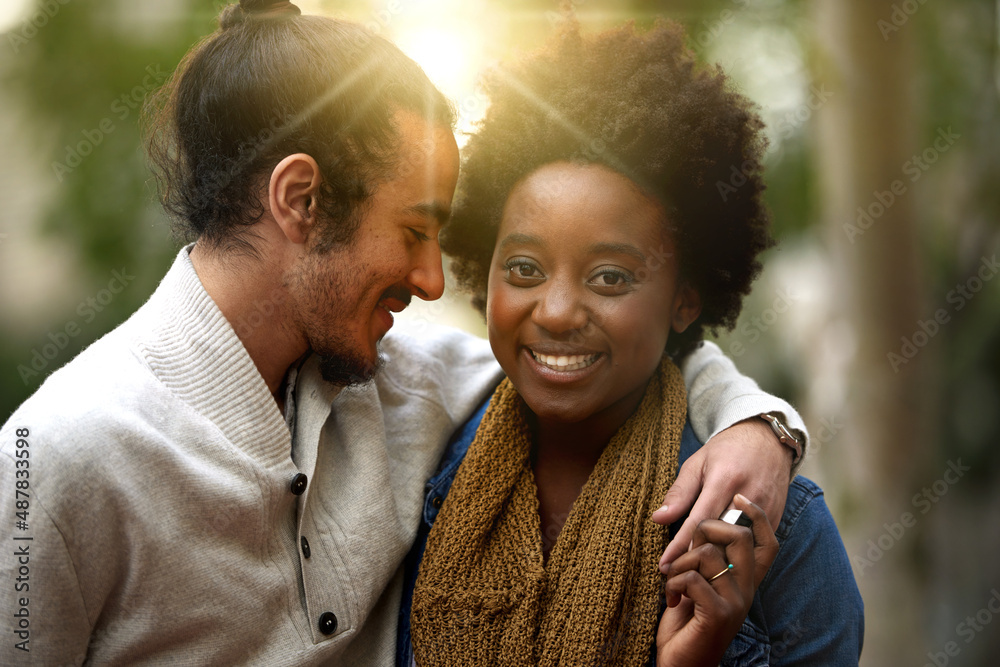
(345,370)
(323,282)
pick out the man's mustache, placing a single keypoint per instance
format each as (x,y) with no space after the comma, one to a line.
(399,293)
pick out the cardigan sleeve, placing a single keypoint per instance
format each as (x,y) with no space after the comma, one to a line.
(720,396)
(45,620)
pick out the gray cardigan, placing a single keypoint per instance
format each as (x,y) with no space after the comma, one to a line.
(164,523)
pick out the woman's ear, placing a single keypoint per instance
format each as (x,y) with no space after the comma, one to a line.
(687,307)
(291,195)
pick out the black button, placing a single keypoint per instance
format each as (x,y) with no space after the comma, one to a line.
(299,484)
(328,623)
(436,502)
(305,547)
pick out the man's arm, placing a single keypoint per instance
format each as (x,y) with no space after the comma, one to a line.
(720,396)
(741,453)
(45,621)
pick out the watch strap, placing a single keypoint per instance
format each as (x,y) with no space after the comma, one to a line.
(785,435)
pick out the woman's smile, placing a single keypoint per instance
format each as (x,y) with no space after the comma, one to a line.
(564,363)
(577,315)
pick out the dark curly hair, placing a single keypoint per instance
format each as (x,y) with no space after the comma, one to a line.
(267,84)
(639,104)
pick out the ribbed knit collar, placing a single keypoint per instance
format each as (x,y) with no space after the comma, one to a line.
(193,350)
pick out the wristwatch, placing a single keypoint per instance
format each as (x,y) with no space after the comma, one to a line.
(785,435)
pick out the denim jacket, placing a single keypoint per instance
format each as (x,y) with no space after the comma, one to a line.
(806,611)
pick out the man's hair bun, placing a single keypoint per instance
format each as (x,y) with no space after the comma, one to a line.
(254,9)
(268,84)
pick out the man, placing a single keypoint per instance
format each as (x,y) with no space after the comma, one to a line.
(203,487)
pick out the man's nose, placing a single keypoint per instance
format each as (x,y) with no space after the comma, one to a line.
(426,279)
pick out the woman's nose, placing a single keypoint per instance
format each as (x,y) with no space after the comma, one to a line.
(559,309)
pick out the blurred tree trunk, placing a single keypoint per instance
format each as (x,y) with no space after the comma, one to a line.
(866,138)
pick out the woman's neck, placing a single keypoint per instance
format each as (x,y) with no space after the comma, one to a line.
(564,456)
(578,440)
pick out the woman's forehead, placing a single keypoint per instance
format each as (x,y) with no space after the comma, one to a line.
(591,201)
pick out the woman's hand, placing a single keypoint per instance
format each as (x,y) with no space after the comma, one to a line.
(707,600)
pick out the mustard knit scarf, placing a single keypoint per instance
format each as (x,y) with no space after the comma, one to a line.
(484,595)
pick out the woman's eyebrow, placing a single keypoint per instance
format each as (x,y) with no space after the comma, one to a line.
(618,248)
(519,239)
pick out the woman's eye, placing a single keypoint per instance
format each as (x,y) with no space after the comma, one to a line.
(522,270)
(614,280)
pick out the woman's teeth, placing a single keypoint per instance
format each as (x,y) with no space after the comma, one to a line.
(566,363)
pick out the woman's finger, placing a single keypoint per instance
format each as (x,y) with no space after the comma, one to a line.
(707,561)
(736,542)
(765,543)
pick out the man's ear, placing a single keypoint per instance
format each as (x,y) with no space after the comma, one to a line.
(687,307)
(291,195)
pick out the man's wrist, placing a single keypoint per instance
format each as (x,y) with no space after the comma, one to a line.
(784,435)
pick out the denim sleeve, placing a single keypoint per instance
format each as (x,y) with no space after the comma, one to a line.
(809,600)
(807,610)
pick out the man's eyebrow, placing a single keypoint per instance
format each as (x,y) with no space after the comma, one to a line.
(519,239)
(434,209)
(618,248)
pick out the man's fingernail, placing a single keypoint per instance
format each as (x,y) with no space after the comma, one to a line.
(663,508)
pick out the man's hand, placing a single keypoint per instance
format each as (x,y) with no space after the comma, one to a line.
(745,458)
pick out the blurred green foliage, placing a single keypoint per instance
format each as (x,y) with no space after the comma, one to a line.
(82,79)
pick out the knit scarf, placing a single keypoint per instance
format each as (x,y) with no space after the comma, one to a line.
(485,596)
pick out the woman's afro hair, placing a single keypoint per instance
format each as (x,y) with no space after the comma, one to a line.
(637,103)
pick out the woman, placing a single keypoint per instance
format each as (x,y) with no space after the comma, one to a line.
(592,237)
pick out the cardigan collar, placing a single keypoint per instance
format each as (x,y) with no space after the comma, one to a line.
(194,351)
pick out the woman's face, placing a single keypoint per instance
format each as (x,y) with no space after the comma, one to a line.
(583,291)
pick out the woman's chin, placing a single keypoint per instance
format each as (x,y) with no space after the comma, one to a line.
(560,412)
